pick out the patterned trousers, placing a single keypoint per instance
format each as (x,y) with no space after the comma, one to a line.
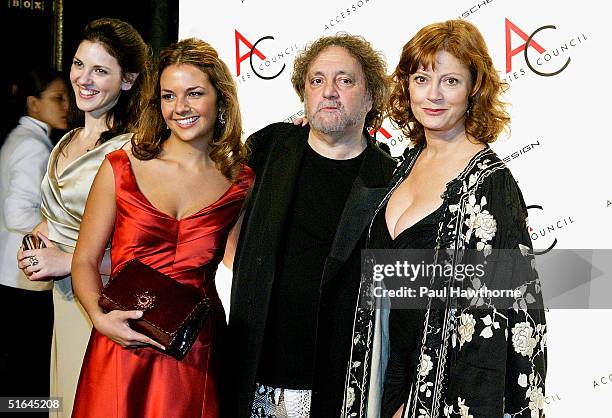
(271,402)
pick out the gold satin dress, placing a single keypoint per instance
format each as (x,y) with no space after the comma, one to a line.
(63,202)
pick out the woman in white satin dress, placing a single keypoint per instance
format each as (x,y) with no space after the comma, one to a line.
(108,74)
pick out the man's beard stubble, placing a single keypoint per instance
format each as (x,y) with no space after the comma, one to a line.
(338,124)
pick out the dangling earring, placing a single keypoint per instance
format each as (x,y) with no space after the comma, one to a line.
(221,116)
(469,109)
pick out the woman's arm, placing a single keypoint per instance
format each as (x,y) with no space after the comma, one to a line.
(520,328)
(96,228)
(44,263)
(22,209)
(42,227)
(398,414)
(51,261)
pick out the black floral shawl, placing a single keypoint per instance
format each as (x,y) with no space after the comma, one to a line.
(473,363)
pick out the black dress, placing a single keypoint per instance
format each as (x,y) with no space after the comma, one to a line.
(485,360)
(406,325)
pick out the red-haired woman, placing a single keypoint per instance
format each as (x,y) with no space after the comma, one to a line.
(453,197)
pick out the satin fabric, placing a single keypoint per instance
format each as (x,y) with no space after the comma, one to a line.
(64,194)
(143,382)
(63,202)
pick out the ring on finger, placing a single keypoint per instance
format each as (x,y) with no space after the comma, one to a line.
(33,261)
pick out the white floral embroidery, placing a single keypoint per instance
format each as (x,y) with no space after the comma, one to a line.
(350,397)
(485,225)
(480,223)
(426,388)
(487,249)
(426,365)
(543,340)
(466,329)
(487,332)
(464,409)
(448,410)
(484,164)
(523,340)
(536,401)
(472,180)
(423,413)
(471,205)
(524,249)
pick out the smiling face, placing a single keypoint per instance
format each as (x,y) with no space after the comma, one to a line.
(96,78)
(188,102)
(439,98)
(51,106)
(335,95)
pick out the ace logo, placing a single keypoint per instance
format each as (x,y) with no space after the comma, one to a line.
(551,241)
(252,50)
(510,28)
(382,130)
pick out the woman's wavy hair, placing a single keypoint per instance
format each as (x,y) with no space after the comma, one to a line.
(226,147)
(372,63)
(125,44)
(486,117)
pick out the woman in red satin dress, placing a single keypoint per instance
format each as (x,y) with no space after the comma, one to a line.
(169,201)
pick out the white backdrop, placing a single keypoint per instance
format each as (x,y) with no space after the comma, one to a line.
(558,148)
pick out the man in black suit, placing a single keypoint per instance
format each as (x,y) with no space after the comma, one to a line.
(297,266)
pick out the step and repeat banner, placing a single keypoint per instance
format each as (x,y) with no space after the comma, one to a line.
(559,147)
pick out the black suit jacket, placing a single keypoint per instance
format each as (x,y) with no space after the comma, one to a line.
(276,153)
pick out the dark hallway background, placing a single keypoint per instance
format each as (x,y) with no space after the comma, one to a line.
(38,33)
(156,20)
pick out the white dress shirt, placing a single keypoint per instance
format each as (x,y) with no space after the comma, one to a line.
(23,162)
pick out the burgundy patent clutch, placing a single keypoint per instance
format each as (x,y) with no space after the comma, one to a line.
(173,313)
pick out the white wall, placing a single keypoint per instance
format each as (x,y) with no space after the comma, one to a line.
(566,171)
